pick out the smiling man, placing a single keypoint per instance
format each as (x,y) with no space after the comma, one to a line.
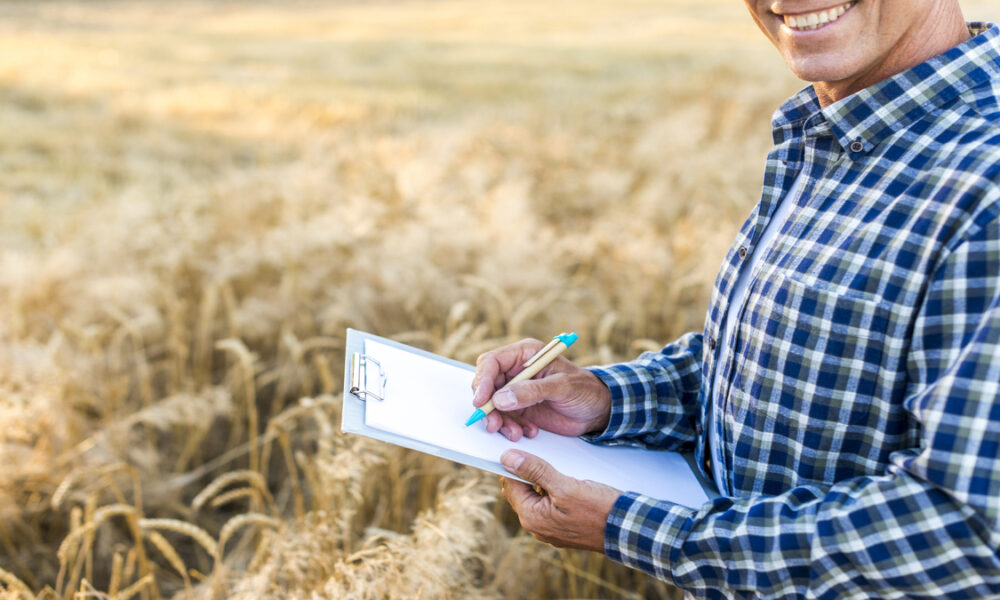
(844,394)
(848,47)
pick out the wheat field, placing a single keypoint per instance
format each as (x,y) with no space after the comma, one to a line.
(198,198)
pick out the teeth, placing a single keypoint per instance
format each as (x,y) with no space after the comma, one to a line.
(816,20)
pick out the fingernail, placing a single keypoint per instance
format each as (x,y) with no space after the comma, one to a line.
(512,460)
(504,400)
(505,431)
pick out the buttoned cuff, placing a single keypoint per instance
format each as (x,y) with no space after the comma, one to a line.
(633,402)
(644,533)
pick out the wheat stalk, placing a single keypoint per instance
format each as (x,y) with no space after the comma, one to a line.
(128,571)
(495,313)
(329,385)
(116,574)
(293,473)
(14,584)
(202,353)
(232,525)
(63,488)
(80,539)
(245,359)
(171,555)
(191,530)
(144,583)
(256,501)
(455,339)
(69,543)
(253,478)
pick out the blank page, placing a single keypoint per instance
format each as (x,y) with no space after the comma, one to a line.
(429,400)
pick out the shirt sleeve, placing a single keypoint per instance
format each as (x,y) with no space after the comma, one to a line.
(654,398)
(929,527)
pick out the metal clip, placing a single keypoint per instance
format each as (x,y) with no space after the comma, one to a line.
(359,377)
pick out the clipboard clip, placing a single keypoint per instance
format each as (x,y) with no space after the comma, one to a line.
(359,377)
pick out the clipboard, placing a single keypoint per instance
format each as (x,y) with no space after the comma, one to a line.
(366,381)
(358,391)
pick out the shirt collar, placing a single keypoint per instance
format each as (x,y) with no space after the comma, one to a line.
(862,120)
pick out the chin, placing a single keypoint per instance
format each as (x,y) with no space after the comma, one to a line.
(814,70)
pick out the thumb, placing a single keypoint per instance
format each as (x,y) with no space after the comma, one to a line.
(523,394)
(531,468)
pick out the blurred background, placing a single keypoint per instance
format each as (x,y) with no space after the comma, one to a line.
(199,197)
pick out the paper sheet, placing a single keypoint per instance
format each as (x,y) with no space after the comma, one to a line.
(429,401)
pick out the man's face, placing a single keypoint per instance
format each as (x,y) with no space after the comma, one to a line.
(855,43)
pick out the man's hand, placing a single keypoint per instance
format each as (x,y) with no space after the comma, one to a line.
(570,514)
(562,398)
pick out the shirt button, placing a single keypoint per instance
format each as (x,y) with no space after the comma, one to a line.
(711,344)
(743,252)
(857,146)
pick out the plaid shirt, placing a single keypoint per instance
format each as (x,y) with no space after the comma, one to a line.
(857,399)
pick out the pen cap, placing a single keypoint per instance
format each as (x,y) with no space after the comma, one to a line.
(567,338)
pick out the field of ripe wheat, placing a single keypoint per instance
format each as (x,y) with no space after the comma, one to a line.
(199,197)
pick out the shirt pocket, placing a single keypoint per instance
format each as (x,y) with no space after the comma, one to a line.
(812,358)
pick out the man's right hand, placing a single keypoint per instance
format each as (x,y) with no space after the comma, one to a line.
(562,398)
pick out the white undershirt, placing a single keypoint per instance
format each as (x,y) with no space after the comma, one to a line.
(738,295)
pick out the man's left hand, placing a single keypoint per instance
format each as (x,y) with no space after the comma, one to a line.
(569,513)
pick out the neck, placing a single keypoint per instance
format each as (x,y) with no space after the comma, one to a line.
(942,30)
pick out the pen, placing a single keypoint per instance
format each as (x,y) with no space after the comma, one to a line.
(536,363)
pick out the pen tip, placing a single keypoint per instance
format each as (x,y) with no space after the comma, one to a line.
(479,414)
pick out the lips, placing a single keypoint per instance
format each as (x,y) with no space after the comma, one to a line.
(815,20)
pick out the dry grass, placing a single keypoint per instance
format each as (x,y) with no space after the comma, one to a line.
(199,197)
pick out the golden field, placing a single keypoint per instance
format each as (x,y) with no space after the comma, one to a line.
(199,197)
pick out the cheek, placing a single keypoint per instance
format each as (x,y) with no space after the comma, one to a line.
(760,13)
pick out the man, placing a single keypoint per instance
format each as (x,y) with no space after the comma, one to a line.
(845,392)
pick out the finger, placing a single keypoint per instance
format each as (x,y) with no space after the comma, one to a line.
(528,429)
(494,421)
(523,394)
(498,366)
(531,468)
(484,390)
(483,384)
(512,428)
(521,496)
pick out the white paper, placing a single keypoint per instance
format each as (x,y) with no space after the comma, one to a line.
(429,401)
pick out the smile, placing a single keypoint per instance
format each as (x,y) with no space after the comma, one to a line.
(815,20)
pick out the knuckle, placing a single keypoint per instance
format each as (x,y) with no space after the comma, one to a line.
(532,517)
(531,388)
(554,384)
(562,383)
(558,492)
(559,379)
(529,344)
(534,471)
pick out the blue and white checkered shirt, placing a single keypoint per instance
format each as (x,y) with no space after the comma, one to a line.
(857,402)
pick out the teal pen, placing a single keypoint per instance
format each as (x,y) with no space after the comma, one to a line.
(536,363)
